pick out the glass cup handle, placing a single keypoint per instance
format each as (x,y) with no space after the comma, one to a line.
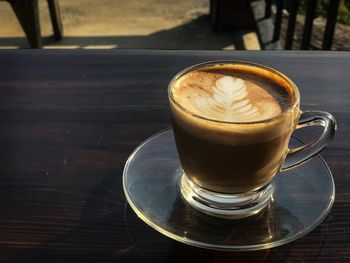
(304,153)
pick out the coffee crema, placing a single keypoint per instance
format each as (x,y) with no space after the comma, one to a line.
(225,98)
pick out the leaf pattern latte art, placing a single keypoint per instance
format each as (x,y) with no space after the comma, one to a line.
(228,102)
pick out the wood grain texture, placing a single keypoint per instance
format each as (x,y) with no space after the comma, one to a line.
(70,119)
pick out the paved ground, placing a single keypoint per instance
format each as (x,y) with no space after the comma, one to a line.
(151,24)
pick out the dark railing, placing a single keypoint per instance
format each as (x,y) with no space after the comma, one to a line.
(308,25)
(291,24)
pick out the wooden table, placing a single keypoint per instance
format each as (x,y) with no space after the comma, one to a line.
(70,119)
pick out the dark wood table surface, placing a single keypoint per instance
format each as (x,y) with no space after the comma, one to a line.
(70,119)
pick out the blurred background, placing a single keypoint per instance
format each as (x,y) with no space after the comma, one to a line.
(175,24)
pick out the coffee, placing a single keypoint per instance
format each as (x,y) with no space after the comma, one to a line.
(225,97)
(232,126)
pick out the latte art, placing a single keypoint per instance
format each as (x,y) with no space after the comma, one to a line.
(229,101)
(225,98)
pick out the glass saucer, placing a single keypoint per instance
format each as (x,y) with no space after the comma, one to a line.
(302,198)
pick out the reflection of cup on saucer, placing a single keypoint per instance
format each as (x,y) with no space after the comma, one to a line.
(232,123)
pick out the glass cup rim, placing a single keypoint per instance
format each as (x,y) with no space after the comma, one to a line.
(233,62)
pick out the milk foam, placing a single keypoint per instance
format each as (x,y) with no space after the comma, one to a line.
(225,98)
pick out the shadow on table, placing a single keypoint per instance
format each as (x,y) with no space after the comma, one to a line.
(195,35)
(157,248)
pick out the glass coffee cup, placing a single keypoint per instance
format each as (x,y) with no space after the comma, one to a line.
(232,123)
